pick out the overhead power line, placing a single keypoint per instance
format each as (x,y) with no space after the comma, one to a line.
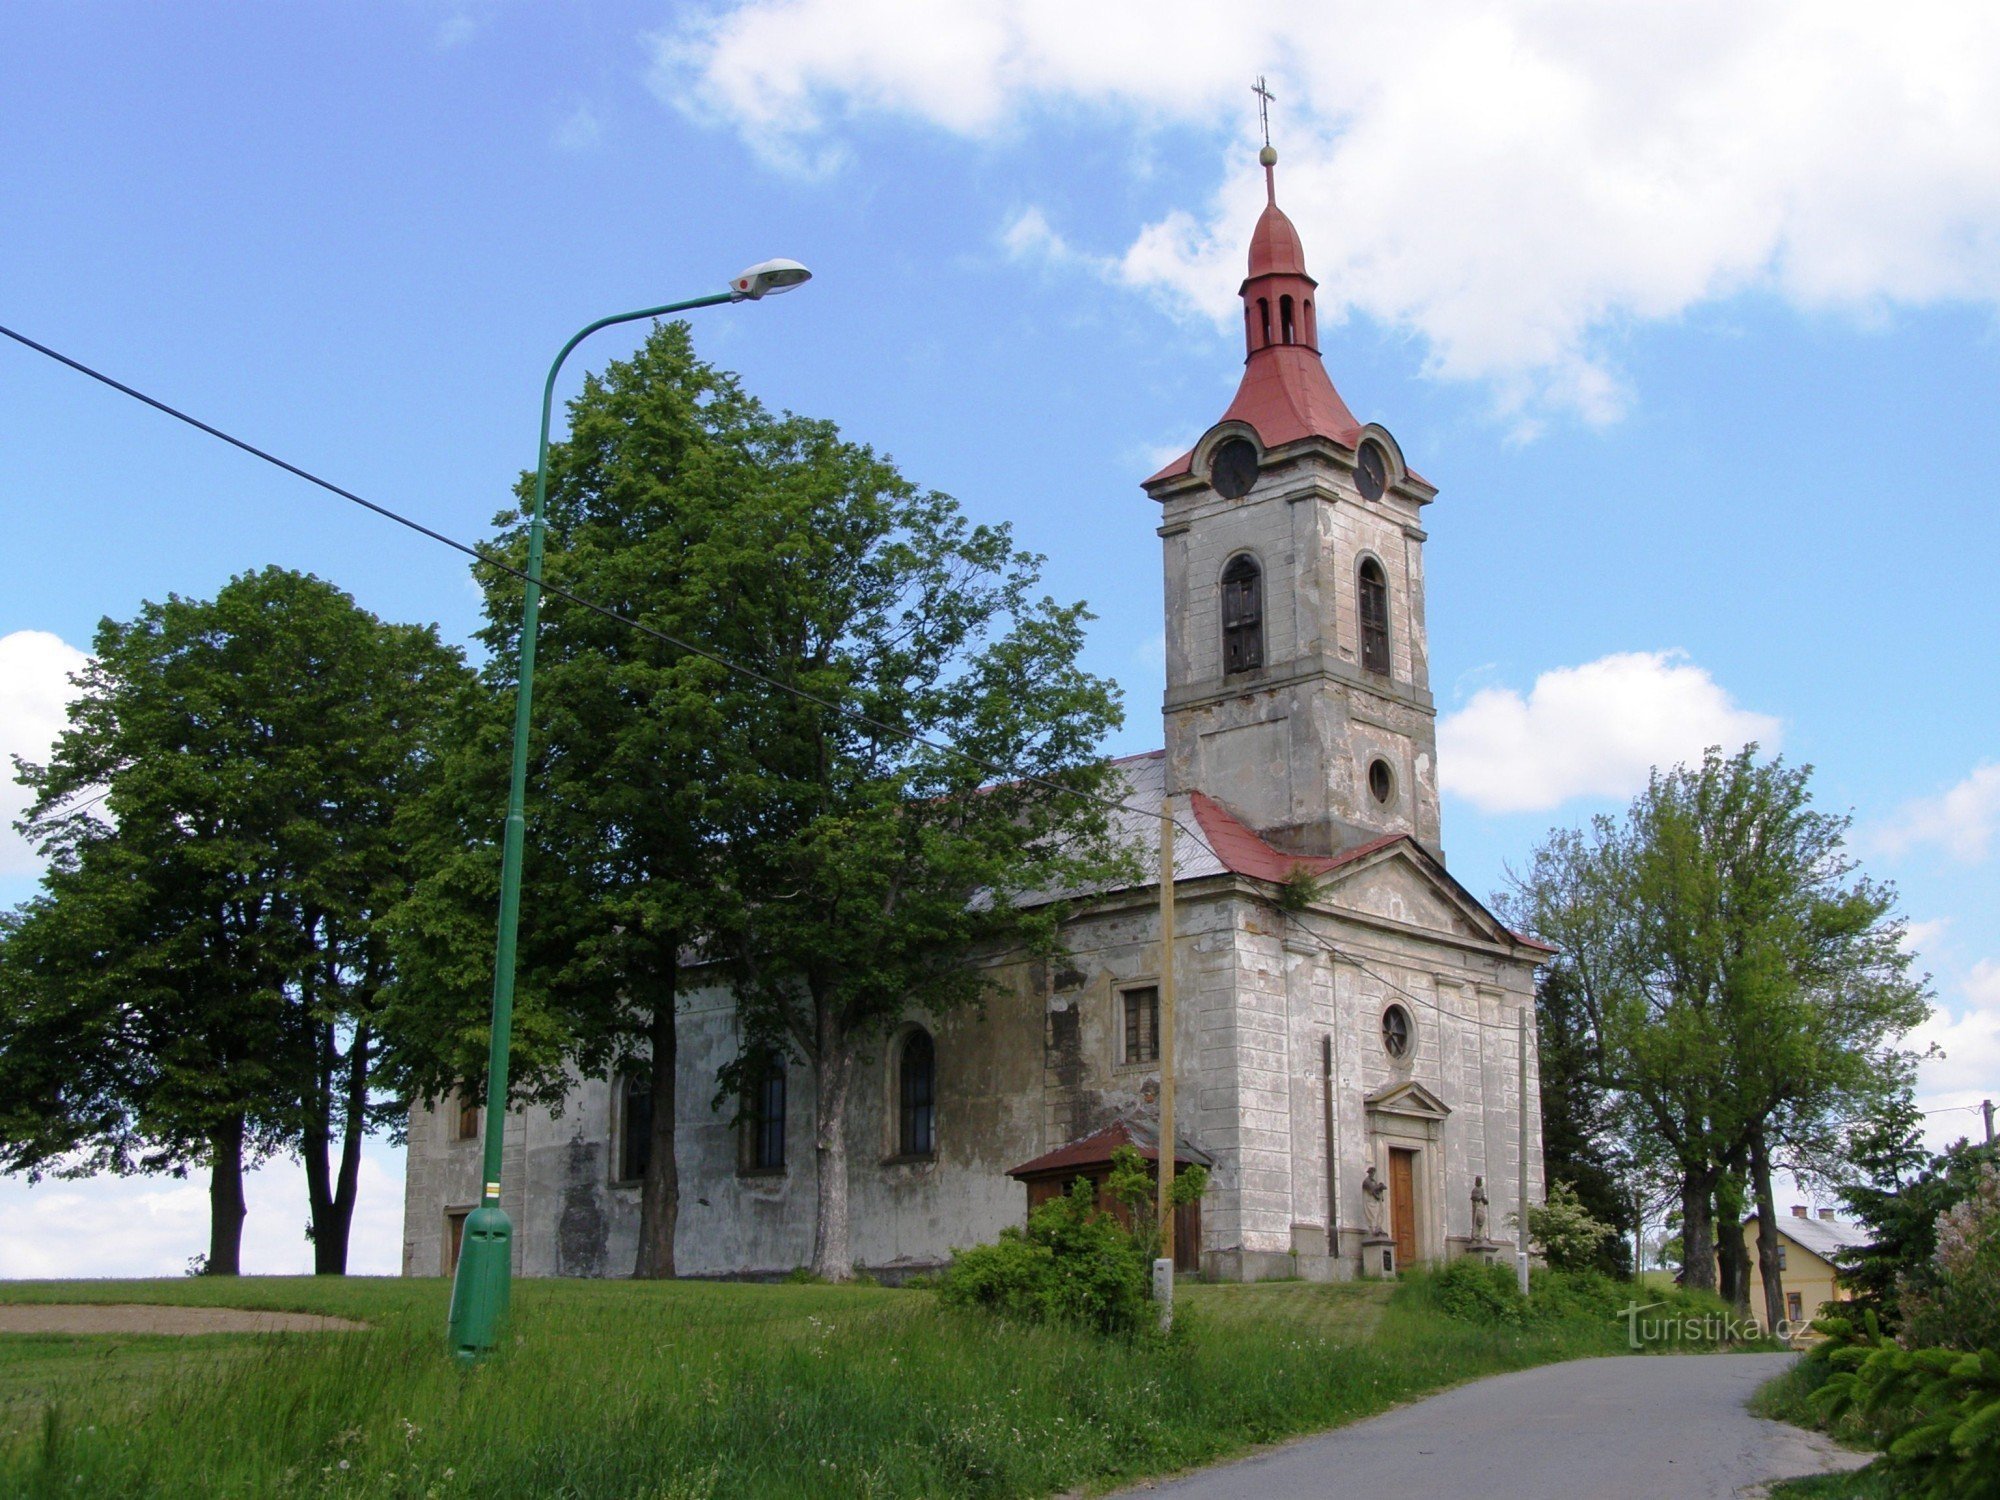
(853,715)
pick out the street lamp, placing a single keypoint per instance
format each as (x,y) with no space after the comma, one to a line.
(485,1263)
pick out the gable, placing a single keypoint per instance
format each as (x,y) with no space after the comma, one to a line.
(1397,884)
(1395,890)
(1410,1098)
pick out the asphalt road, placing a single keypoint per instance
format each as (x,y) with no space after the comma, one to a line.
(1653,1427)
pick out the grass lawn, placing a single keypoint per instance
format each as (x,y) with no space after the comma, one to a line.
(690,1389)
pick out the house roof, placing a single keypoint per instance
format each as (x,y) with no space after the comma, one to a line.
(1095,1150)
(1229,846)
(1825,1238)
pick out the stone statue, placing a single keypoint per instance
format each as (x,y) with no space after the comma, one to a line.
(1479,1216)
(1374,1209)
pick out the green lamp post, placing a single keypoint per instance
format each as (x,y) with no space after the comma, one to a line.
(485,1262)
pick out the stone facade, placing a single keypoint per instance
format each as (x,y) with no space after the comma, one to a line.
(1371,1018)
(1263,998)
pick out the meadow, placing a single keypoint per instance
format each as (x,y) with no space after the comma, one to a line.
(693,1390)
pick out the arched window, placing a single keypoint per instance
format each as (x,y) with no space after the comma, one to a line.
(1311,331)
(1374,592)
(764,1115)
(1264,319)
(1287,330)
(916,1097)
(1242,615)
(635,1125)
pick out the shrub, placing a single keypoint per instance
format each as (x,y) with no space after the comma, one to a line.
(1568,1236)
(1074,1264)
(1476,1292)
(1956,1304)
(1935,1412)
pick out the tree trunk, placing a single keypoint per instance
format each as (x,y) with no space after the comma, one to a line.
(1698,1231)
(333,1212)
(1732,1254)
(1732,1262)
(1767,1231)
(834,1067)
(314,1141)
(660,1189)
(225,1199)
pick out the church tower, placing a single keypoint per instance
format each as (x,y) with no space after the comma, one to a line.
(1298,686)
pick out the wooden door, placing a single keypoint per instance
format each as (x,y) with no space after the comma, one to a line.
(454,1237)
(1403,1205)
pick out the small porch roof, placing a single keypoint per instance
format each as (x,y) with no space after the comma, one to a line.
(1095,1150)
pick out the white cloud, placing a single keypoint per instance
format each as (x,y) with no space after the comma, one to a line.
(34,698)
(1512,184)
(1921,937)
(151,1226)
(580,129)
(1594,730)
(1967,1070)
(1962,821)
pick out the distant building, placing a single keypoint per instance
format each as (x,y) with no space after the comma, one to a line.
(1807,1249)
(1370,1024)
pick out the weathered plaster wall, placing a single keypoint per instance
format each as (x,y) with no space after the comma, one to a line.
(1041,1066)
(1288,745)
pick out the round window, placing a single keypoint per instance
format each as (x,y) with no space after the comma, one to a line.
(1381,781)
(1371,471)
(1233,469)
(1396,1031)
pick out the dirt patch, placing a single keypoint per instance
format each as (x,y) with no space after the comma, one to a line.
(145,1317)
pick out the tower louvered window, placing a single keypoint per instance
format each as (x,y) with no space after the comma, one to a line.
(1242,616)
(1374,593)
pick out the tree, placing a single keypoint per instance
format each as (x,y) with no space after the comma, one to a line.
(656,507)
(1899,1192)
(200,981)
(1580,1120)
(1738,984)
(877,878)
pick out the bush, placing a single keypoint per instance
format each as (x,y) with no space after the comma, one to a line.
(1476,1292)
(1956,1303)
(1562,1227)
(1074,1264)
(1934,1412)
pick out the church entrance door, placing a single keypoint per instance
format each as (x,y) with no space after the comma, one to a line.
(1403,1205)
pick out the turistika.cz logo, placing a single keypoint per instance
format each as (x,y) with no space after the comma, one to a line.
(1690,1328)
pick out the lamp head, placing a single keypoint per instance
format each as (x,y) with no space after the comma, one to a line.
(766,277)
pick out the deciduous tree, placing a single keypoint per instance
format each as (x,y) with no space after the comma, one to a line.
(200,981)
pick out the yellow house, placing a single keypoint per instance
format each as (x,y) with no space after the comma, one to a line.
(1806,1250)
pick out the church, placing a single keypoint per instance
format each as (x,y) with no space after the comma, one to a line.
(1353,1032)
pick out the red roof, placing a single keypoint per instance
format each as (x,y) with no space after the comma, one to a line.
(1246,852)
(1095,1150)
(1286,394)
(1274,245)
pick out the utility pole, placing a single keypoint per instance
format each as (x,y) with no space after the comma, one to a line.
(1163,1268)
(1521,1186)
(1986,1108)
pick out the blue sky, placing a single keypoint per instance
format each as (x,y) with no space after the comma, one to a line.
(1688,313)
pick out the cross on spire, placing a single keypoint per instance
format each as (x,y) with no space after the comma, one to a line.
(1265,99)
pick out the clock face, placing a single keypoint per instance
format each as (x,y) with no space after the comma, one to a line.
(1371,471)
(1234,468)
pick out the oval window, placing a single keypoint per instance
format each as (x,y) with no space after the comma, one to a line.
(1396,1031)
(1381,781)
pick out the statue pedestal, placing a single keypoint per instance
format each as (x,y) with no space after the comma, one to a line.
(1482,1250)
(1378,1257)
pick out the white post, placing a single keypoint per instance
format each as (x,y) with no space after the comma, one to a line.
(1521,1185)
